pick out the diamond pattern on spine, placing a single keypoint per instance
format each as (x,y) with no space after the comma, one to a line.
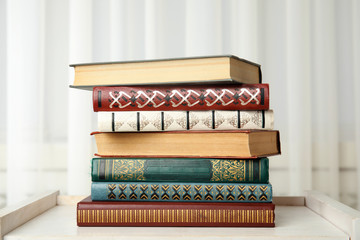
(122,188)
(124,120)
(252,196)
(150,121)
(133,195)
(197,196)
(263,196)
(175,120)
(200,120)
(143,188)
(111,188)
(154,195)
(148,98)
(241,192)
(165,195)
(230,196)
(251,119)
(208,195)
(186,196)
(219,195)
(176,195)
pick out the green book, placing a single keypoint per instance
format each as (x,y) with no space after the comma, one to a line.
(180,170)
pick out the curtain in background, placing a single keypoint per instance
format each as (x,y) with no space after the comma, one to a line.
(309,52)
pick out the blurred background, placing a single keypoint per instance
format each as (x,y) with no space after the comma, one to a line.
(309,52)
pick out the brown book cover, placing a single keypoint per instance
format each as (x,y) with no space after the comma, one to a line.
(157,214)
(199,144)
(208,69)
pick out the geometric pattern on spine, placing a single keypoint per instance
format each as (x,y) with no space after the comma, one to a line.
(154,195)
(195,192)
(186,189)
(197,195)
(133,195)
(208,195)
(150,98)
(241,196)
(165,196)
(263,196)
(127,121)
(122,194)
(220,189)
(228,170)
(230,197)
(111,194)
(252,196)
(143,195)
(176,195)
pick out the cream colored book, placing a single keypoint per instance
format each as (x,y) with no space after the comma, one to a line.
(142,121)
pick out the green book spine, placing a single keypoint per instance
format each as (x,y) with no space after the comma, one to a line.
(181,192)
(180,170)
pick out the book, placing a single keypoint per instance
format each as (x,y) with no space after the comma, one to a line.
(181,192)
(180,170)
(181,97)
(143,121)
(208,69)
(174,214)
(239,144)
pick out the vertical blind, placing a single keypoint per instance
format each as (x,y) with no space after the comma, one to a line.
(309,52)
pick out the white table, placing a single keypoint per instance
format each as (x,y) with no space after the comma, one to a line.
(314,216)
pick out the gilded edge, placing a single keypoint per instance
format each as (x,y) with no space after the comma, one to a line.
(128,216)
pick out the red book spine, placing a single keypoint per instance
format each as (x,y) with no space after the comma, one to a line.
(181,97)
(156,214)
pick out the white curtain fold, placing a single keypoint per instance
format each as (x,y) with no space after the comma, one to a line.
(79,101)
(299,98)
(325,127)
(24,101)
(355,7)
(309,52)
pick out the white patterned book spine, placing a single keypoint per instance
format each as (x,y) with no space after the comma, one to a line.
(130,121)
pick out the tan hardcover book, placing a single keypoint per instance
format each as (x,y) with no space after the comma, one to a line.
(222,69)
(199,144)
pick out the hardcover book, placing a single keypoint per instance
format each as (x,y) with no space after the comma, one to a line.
(181,192)
(209,69)
(174,214)
(141,121)
(182,97)
(198,144)
(180,170)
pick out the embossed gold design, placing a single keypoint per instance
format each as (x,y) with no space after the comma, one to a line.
(129,169)
(228,170)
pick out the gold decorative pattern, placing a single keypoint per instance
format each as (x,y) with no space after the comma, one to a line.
(228,170)
(129,169)
(122,216)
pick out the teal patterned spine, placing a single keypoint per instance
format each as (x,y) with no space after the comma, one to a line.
(180,192)
(180,170)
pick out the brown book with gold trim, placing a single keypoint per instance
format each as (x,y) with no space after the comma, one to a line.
(174,214)
(207,69)
(198,144)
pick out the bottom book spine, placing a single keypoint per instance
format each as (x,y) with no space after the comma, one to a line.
(181,217)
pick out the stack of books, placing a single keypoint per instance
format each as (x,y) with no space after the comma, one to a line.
(181,142)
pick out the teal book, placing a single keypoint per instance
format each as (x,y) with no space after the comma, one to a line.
(181,192)
(180,170)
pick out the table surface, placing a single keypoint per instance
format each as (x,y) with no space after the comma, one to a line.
(292,222)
